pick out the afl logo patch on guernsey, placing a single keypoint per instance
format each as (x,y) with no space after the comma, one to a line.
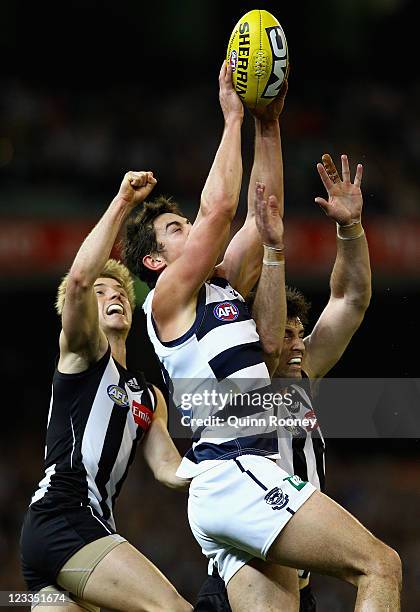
(118,396)
(142,415)
(226,311)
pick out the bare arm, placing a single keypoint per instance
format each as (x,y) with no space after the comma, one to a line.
(242,261)
(180,282)
(81,340)
(159,451)
(269,308)
(350,281)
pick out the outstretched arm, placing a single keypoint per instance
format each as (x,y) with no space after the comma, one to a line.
(350,281)
(81,339)
(178,285)
(269,308)
(242,262)
(159,451)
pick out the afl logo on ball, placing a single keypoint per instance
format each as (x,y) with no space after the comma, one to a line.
(226,311)
(233,59)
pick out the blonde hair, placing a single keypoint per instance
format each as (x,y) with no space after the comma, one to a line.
(112,269)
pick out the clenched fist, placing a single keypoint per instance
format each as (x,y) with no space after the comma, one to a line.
(136,187)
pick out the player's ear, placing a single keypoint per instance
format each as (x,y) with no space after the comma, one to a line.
(154,262)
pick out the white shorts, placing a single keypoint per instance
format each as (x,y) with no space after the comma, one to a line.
(237,509)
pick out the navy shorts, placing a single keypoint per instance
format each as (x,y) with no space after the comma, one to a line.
(51,536)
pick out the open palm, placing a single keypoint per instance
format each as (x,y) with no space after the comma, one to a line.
(345,200)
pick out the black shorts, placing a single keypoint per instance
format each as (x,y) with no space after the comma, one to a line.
(213,597)
(51,536)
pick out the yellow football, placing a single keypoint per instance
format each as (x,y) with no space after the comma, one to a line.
(257,52)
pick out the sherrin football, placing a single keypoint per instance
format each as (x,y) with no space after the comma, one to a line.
(257,52)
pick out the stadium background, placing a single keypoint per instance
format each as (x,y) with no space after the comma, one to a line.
(89,90)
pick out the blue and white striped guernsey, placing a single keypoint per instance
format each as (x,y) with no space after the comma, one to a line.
(221,352)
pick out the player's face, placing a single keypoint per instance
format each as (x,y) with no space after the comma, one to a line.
(290,363)
(113,305)
(172,232)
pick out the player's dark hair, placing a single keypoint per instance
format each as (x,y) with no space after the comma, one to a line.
(296,303)
(140,237)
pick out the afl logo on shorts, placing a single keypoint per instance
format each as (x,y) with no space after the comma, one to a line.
(118,396)
(226,311)
(277,498)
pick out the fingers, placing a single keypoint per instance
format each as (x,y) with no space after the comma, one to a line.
(225,75)
(330,168)
(259,197)
(273,204)
(259,190)
(222,72)
(141,179)
(345,170)
(283,89)
(324,205)
(328,183)
(359,174)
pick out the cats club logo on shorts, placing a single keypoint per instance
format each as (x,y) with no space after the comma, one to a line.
(226,311)
(277,498)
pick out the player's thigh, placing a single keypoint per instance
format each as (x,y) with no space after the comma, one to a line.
(322,536)
(60,601)
(126,579)
(68,607)
(260,586)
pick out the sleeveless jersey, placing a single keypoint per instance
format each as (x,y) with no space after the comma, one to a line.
(302,450)
(96,418)
(220,355)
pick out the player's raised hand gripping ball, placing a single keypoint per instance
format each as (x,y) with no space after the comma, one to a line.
(258,54)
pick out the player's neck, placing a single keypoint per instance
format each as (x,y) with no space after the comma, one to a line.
(118,348)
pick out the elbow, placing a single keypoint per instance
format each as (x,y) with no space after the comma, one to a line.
(271,349)
(218,204)
(164,475)
(361,301)
(78,281)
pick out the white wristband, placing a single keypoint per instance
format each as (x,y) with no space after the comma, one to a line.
(273,263)
(351,237)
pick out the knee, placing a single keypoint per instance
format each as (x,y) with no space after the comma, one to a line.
(183,606)
(178,604)
(388,564)
(384,562)
(173,602)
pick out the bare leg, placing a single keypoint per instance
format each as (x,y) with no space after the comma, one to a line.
(264,587)
(126,580)
(325,538)
(70,607)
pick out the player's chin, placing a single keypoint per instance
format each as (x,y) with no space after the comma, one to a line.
(119,324)
(294,371)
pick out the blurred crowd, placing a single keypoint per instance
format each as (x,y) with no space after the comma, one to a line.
(68,150)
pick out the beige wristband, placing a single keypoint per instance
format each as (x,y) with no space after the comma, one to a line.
(350,232)
(272,255)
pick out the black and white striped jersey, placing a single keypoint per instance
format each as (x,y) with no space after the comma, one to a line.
(220,351)
(302,450)
(96,418)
